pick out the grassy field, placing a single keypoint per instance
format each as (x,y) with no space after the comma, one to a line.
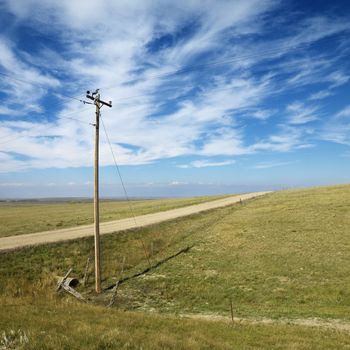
(282,256)
(74,327)
(26,217)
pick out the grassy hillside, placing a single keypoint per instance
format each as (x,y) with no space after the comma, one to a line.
(27,217)
(287,254)
(283,256)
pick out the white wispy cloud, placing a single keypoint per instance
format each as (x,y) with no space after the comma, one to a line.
(178,183)
(11,184)
(144,129)
(262,114)
(206,163)
(299,114)
(337,128)
(21,96)
(345,112)
(287,139)
(336,133)
(267,165)
(321,95)
(338,78)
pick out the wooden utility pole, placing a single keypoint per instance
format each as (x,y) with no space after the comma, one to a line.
(95,96)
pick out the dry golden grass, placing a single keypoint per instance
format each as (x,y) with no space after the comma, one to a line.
(284,255)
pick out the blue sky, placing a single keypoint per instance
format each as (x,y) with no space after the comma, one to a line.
(208,96)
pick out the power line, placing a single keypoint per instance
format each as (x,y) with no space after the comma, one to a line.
(278,78)
(278,50)
(40,86)
(124,188)
(179,71)
(146,95)
(165,75)
(118,170)
(204,68)
(64,116)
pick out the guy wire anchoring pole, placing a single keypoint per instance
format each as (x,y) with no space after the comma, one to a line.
(95,96)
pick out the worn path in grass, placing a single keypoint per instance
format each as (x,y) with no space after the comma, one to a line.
(336,324)
(13,242)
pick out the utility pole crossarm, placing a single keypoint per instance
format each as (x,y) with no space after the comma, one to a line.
(98,100)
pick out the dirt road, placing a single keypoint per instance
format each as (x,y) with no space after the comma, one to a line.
(13,242)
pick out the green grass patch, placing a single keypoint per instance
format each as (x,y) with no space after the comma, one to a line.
(66,325)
